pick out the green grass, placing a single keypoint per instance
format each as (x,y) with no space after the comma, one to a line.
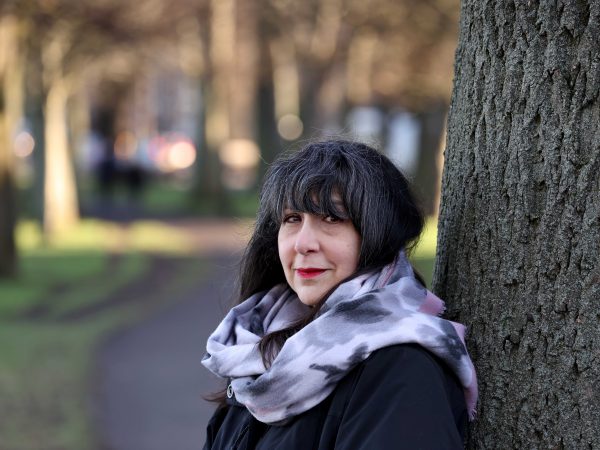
(162,197)
(76,265)
(244,204)
(87,291)
(43,271)
(46,367)
(43,381)
(423,256)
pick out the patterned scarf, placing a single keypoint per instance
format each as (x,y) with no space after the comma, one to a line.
(362,315)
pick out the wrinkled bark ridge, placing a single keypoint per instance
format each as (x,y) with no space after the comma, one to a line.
(519,229)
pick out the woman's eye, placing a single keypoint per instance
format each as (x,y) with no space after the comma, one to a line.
(291,218)
(332,219)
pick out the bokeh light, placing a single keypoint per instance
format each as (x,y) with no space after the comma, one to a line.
(240,154)
(181,155)
(290,127)
(24,144)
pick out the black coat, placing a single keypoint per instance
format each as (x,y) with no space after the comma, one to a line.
(401,397)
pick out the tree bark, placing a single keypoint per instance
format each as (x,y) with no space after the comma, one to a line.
(230,93)
(428,168)
(217,126)
(61,207)
(61,210)
(519,229)
(11,104)
(34,111)
(330,100)
(243,80)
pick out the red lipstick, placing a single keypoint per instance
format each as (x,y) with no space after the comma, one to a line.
(309,272)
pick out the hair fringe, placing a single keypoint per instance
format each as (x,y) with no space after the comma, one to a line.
(376,196)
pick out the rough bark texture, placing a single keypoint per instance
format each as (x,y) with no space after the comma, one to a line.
(519,230)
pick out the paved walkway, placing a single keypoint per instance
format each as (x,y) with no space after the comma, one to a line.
(150,381)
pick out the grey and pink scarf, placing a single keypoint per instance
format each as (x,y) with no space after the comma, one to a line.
(362,315)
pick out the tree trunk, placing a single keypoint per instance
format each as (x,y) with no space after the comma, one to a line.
(519,229)
(230,94)
(217,126)
(61,210)
(268,138)
(35,116)
(11,104)
(329,102)
(7,201)
(428,173)
(8,251)
(243,79)
(214,129)
(283,82)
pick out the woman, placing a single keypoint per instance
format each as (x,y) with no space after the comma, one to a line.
(335,343)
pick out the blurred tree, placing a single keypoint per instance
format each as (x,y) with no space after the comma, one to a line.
(519,229)
(328,56)
(308,61)
(66,39)
(230,87)
(61,209)
(12,57)
(71,42)
(76,40)
(221,60)
(382,52)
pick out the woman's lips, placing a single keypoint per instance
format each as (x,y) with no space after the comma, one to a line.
(309,272)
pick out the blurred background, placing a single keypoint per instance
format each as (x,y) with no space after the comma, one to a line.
(133,138)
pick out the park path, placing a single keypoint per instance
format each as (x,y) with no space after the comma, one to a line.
(149,381)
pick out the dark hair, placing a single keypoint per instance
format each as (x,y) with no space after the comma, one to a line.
(375,195)
(376,198)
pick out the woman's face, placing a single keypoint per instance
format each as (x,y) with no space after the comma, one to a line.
(316,252)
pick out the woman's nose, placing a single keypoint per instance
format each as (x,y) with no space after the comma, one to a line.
(307,239)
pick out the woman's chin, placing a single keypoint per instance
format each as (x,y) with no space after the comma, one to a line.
(310,297)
